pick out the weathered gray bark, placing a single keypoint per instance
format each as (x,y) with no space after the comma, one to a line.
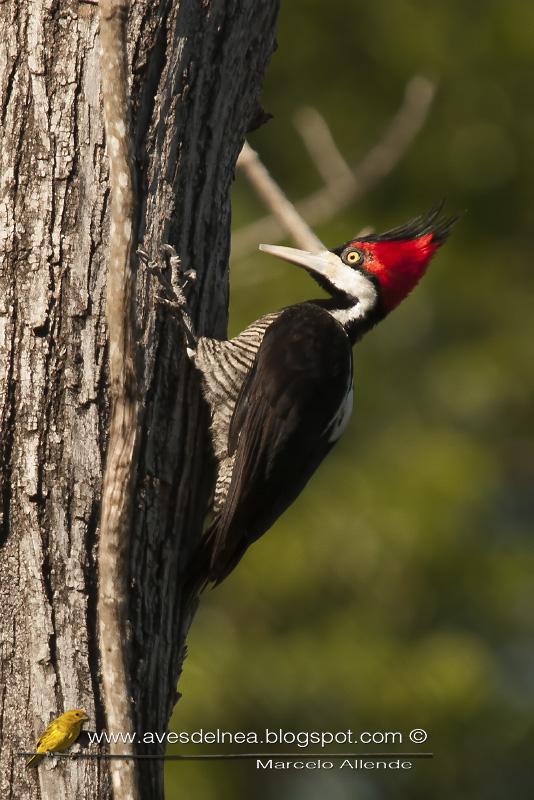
(196,67)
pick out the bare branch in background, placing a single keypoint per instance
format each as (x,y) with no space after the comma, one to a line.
(343,185)
(319,142)
(282,209)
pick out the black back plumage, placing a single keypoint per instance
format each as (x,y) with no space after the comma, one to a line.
(279,431)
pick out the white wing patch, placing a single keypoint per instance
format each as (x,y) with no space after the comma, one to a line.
(341,420)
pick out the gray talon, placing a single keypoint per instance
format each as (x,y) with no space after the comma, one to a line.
(173,297)
(175,305)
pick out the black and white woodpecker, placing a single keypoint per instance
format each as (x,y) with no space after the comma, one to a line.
(281,393)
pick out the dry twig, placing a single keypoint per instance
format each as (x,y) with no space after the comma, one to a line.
(319,142)
(281,208)
(342,184)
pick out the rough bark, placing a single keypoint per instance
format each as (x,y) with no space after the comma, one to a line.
(195,69)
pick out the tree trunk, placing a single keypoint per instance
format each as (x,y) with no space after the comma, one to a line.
(195,71)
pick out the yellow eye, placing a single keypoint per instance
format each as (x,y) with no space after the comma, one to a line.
(353,257)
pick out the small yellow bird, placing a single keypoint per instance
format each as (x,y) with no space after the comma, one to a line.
(60,734)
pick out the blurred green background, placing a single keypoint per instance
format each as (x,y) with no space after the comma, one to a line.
(398,592)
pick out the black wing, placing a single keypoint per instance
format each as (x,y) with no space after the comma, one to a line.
(280,427)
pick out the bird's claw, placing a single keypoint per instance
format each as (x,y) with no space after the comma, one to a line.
(173,297)
(144,257)
(172,261)
(172,258)
(174,305)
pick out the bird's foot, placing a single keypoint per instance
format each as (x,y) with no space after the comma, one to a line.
(172,258)
(173,297)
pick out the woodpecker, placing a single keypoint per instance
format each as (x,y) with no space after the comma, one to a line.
(281,392)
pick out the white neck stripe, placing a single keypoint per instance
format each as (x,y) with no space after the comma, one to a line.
(365,296)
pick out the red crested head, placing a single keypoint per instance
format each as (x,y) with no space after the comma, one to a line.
(397,259)
(368,277)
